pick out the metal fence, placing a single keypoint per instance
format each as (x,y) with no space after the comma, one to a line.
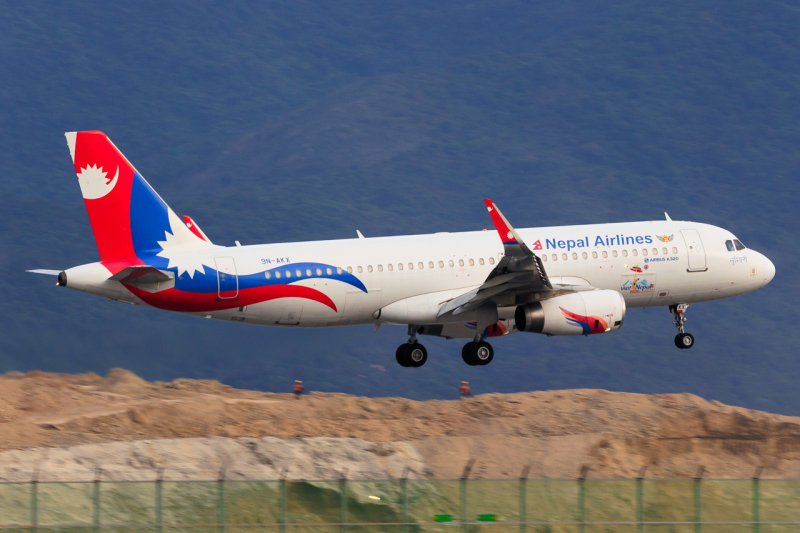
(535,505)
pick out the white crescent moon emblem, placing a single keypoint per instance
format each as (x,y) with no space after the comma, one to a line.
(94,183)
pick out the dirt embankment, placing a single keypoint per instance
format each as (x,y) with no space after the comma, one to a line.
(555,432)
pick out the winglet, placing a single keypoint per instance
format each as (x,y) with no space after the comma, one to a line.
(192,225)
(511,240)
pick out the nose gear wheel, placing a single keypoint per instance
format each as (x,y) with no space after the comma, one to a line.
(683,340)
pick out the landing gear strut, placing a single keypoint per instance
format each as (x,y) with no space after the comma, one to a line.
(411,354)
(683,340)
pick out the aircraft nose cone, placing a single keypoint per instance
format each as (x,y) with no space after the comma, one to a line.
(769,271)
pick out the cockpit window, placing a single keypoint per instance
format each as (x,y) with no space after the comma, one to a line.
(729,246)
(738,244)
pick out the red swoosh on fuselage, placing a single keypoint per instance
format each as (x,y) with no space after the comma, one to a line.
(196,302)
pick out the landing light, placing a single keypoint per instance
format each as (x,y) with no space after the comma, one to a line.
(374,498)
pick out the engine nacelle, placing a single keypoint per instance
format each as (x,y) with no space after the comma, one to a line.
(578,313)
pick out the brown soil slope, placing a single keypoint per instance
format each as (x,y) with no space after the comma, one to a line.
(555,432)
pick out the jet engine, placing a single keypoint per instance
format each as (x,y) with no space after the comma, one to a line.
(577,313)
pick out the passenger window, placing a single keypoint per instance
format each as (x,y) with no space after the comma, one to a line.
(729,246)
(605,254)
(319,272)
(635,252)
(555,257)
(451,263)
(390,267)
(441,264)
(480,261)
(574,255)
(491,260)
(380,268)
(461,262)
(339,270)
(674,250)
(308,272)
(278,275)
(584,255)
(399,266)
(739,245)
(329,271)
(267,275)
(655,251)
(624,253)
(594,255)
(289,273)
(564,257)
(430,264)
(369,268)
(644,251)
(298,273)
(544,257)
(664,251)
(614,253)
(472,262)
(411,266)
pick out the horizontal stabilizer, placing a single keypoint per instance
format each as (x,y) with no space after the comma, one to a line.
(141,275)
(45,271)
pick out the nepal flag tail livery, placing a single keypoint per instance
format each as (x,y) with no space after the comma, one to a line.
(129,219)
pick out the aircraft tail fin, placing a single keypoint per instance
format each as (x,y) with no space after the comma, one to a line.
(128,217)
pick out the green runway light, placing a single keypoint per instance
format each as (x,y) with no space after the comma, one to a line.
(487,518)
(443,518)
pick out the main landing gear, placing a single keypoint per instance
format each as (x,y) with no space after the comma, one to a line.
(411,354)
(477,353)
(683,340)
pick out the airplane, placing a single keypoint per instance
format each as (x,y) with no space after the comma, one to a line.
(567,280)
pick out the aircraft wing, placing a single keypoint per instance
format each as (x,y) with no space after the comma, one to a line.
(518,274)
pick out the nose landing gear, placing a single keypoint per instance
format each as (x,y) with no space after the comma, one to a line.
(411,354)
(683,340)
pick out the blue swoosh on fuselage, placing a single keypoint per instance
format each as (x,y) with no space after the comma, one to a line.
(207,282)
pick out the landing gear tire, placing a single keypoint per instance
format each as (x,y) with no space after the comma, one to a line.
(400,355)
(477,353)
(684,341)
(411,355)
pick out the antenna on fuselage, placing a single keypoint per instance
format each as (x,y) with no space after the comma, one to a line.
(360,236)
(667,215)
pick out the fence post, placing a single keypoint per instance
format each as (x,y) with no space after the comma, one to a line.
(159,501)
(463,491)
(698,502)
(582,499)
(343,501)
(757,500)
(35,502)
(523,499)
(282,502)
(404,500)
(221,501)
(640,500)
(96,499)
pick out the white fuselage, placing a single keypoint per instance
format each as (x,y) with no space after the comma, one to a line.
(407,278)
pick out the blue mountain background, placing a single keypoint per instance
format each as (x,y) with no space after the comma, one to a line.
(306,120)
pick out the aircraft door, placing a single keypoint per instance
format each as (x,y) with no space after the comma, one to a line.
(227,279)
(695,250)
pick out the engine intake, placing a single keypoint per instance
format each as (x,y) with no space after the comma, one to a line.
(579,313)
